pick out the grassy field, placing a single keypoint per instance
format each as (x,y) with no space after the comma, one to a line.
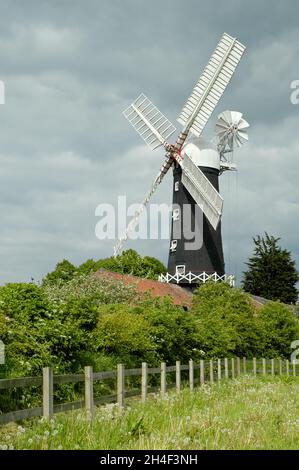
(245,413)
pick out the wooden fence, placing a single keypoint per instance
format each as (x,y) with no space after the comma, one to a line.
(205,372)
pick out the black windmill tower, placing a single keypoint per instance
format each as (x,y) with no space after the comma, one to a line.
(196,252)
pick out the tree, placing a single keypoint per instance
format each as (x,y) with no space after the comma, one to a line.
(130,262)
(272,273)
(88,267)
(63,272)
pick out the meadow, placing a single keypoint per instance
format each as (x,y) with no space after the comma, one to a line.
(243,413)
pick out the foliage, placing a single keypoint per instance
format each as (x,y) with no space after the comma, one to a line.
(99,290)
(52,324)
(63,272)
(99,321)
(173,330)
(225,321)
(37,333)
(23,300)
(245,413)
(130,262)
(23,310)
(271,272)
(278,327)
(125,335)
(152,330)
(88,267)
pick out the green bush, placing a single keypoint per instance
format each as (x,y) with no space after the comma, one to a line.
(225,321)
(151,330)
(228,324)
(278,327)
(38,333)
(173,330)
(24,301)
(125,335)
(24,309)
(63,272)
(100,321)
(99,290)
(129,262)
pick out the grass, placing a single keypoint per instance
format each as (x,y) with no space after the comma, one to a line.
(244,413)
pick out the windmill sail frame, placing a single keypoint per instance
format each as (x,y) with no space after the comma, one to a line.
(202,191)
(152,126)
(211,85)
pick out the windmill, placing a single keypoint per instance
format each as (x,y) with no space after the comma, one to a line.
(196,165)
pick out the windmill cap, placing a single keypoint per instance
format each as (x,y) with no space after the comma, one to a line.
(202,153)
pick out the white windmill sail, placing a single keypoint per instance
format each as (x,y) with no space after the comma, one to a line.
(202,191)
(152,126)
(134,222)
(211,85)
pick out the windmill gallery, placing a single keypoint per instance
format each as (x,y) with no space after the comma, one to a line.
(197,165)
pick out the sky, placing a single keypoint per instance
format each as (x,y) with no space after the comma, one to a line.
(71,67)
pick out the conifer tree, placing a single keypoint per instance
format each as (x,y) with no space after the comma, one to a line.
(271,271)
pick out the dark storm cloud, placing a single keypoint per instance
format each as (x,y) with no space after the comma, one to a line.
(71,67)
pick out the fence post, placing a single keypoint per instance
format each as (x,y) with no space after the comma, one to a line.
(144,375)
(48,408)
(219,369)
(202,371)
(121,385)
(226,368)
(272,366)
(211,371)
(254,366)
(244,365)
(287,367)
(178,376)
(233,367)
(238,366)
(163,379)
(191,375)
(294,369)
(280,366)
(88,379)
(264,366)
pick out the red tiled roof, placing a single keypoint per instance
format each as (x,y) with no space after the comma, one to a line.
(179,295)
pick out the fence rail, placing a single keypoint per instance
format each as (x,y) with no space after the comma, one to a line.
(210,371)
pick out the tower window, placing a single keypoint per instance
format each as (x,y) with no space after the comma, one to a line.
(176,185)
(176,214)
(181,269)
(173,245)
